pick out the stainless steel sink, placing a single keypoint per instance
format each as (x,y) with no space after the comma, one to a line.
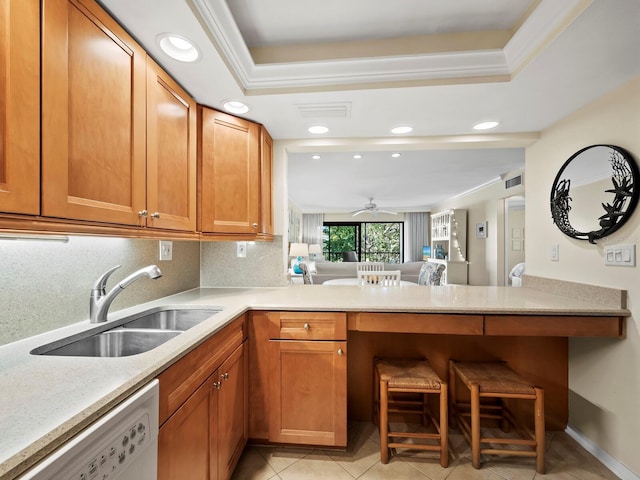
(115,343)
(170,318)
(130,335)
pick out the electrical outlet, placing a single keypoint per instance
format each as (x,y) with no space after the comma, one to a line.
(242,249)
(555,252)
(166,250)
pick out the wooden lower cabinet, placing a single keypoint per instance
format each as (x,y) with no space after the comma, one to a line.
(203,438)
(308,392)
(298,378)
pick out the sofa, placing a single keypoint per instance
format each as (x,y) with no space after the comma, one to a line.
(323,271)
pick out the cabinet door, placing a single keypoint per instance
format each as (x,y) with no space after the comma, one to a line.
(19,106)
(229,173)
(171,153)
(266,182)
(184,450)
(233,406)
(308,393)
(93,115)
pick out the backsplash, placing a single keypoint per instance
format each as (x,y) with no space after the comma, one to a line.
(46,285)
(262,267)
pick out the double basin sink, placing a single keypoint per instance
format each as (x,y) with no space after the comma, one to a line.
(131,335)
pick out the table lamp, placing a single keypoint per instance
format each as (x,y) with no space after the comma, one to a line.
(298,250)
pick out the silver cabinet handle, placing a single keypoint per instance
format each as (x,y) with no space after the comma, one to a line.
(155,215)
(217,385)
(306,326)
(143,213)
(225,376)
(340,352)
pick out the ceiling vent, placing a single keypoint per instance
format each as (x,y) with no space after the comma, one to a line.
(325,110)
(513,182)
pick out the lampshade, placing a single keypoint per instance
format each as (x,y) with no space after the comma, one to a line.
(315,249)
(299,250)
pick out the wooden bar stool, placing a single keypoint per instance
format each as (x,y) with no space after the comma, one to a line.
(496,380)
(394,377)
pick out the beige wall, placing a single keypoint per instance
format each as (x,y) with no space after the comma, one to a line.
(604,376)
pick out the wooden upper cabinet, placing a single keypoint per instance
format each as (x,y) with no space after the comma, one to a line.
(93,116)
(19,106)
(229,173)
(171,153)
(266,182)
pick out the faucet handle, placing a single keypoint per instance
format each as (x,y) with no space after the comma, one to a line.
(101,282)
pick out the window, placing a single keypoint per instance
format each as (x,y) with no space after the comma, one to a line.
(372,241)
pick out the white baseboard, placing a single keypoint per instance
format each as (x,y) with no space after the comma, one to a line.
(611,463)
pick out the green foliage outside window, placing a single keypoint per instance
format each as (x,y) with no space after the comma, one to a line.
(374,242)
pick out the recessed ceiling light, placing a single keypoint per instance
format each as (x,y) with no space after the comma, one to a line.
(402,129)
(318,129)
(395,155)
(485,125)
(178,47)
(357,156)
(316,157)
(233,106)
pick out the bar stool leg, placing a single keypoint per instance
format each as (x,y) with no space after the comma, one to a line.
(444,426)
(539,429)
(376,396)
(452,394)
(475,425)
(384,421)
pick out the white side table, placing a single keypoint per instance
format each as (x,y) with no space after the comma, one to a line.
(296,278)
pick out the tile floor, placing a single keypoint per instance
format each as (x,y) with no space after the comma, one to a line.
(565,460)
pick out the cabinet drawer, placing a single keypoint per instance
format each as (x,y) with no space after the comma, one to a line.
(181,379)
(308,325)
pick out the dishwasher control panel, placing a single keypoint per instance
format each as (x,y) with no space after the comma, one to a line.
(122,450)
(120,445)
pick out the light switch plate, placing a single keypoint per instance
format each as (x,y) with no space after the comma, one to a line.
(166,250)
(620,255)
(555,252)
(242,249)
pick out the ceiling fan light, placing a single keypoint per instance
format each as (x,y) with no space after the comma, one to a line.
(395,155)
(357,156)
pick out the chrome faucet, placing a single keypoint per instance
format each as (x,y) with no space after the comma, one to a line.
(100,301)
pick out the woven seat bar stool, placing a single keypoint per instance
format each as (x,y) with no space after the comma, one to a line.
(496,380)
(394,377)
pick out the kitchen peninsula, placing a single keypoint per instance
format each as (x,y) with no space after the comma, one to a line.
(48,400)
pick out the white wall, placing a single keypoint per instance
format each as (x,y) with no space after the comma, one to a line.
(604,374)
(485,255)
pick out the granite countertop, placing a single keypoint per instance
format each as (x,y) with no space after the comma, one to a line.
(45,400)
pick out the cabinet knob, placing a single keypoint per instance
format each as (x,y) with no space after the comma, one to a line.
(306,326)
(155,215)
(225,376)
(143,213)
(340,352)
(254,225)
(217,385)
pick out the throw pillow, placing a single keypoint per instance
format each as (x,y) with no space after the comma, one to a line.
(430,273)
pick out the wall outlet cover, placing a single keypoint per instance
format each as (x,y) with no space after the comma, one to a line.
(166,250)
(242,249)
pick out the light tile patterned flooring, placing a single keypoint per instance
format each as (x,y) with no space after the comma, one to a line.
(565,460)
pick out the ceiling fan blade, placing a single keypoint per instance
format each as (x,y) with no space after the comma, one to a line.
(387,211)
(358,212)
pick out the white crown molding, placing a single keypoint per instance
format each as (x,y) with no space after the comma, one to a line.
(535,33)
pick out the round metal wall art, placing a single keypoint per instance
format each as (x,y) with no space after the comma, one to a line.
(595,192)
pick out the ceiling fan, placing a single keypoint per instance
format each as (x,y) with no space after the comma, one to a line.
(371,208)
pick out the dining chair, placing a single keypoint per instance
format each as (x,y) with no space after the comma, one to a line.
(386,278)
(370,266)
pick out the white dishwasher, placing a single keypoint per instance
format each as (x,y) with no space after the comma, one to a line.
(121,445)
